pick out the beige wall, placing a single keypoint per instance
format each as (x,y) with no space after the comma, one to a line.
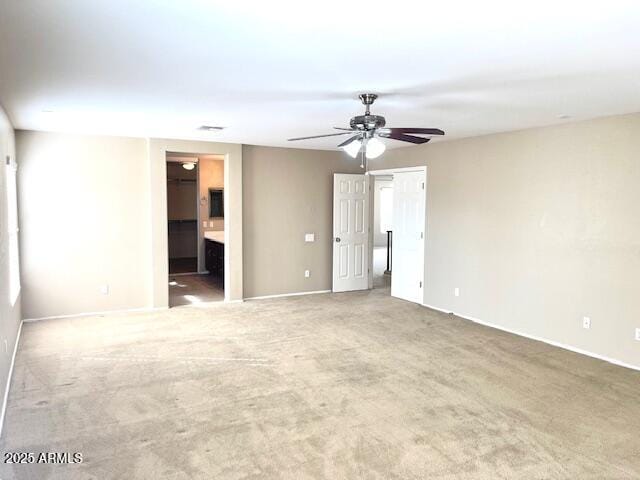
(538,228)
(211,175)
(84,214)
(93,212)
(287,193)
(10,314)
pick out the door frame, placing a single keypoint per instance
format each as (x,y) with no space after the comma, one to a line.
(391,171)
(157,149)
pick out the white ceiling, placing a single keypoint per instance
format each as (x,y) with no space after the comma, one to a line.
(274,69)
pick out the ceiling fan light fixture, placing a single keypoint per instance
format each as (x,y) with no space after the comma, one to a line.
(375,148)
(188,165)
(353,148)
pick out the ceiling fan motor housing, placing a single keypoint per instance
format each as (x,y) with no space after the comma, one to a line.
(367,122)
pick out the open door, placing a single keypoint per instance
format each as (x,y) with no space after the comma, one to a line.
(408,235)
(350,232)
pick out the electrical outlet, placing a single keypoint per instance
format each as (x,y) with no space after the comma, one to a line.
(586,322)
(307,274)
(104,289)
(638,334)
(456,292)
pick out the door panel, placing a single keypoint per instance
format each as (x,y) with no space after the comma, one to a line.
(350,232)
(343,252)
(359,219)
(344,217)
(408,235)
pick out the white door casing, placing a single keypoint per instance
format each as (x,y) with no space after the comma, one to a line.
(408,235)
(350,232)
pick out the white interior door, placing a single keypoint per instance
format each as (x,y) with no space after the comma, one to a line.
(350,232)
(408,235)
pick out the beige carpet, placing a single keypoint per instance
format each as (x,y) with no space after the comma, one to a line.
(328,386)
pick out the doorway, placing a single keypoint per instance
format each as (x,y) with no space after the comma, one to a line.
(195,228)
(182,214)
(398,219)
(382,230)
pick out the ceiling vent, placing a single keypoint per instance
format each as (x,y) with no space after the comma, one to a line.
(209,128)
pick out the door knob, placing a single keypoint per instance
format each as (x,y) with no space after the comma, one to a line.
(337,239)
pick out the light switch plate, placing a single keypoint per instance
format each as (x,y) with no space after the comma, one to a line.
(309,237)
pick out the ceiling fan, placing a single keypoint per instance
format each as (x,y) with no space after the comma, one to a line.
(367,130)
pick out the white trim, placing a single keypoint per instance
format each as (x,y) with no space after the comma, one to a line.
(199,227)
(157,150)
(442,310)
(391,171)
(93,314)
(281,295)
(226,224)
(9,376)
(539,339)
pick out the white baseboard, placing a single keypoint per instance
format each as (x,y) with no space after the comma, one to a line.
(539,339)
(288,295)
(442,310)
(9,376)
(93,314)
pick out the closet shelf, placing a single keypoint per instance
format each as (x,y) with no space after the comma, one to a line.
(184,220)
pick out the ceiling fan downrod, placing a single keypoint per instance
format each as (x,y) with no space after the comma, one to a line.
(368,99)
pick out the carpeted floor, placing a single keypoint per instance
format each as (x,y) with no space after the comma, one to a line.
(334,386)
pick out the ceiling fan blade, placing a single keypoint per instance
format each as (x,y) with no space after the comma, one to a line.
(347,142)
(405,138)
(318,136)
(423,131)
(345,129)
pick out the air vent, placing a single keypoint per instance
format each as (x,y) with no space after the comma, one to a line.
(209,128)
